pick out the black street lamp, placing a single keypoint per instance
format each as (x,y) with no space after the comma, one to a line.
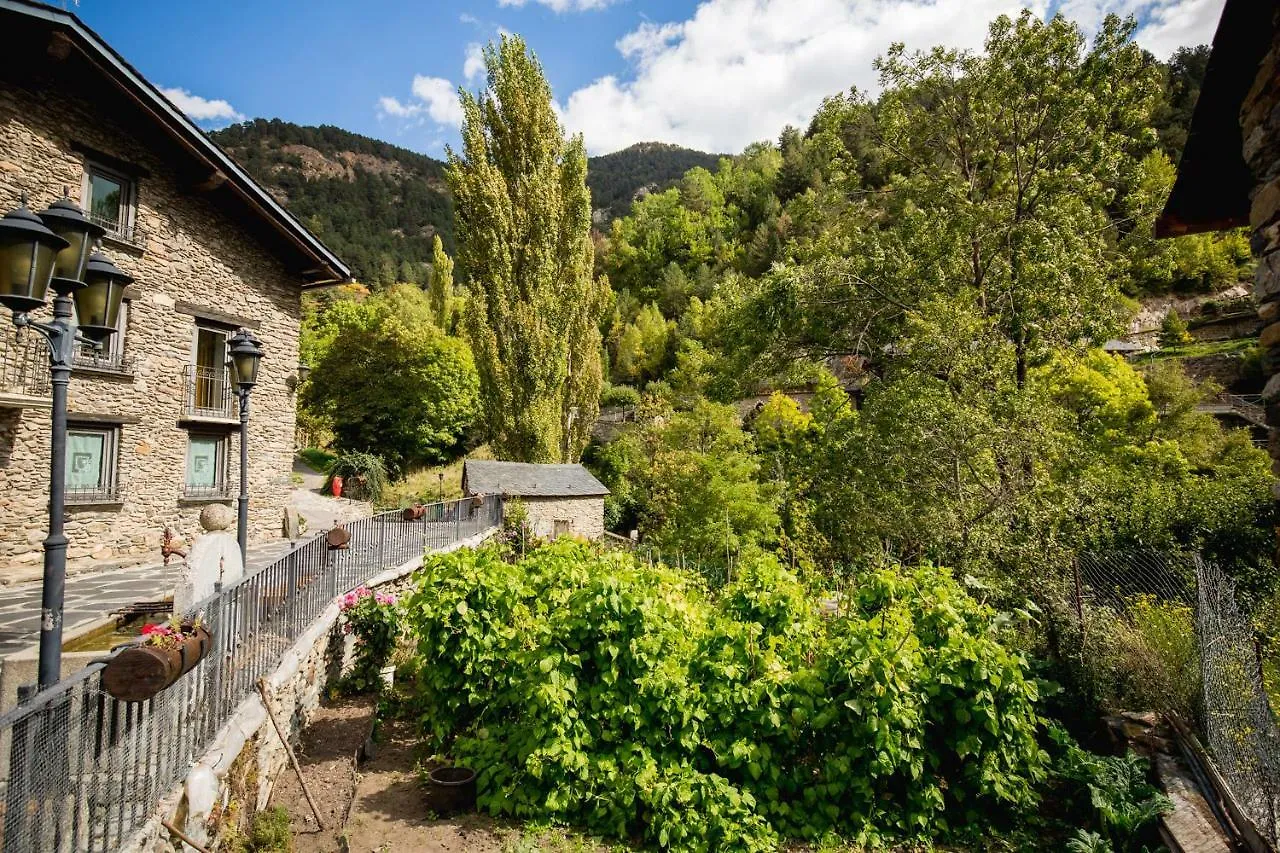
(246,353)
(36,252)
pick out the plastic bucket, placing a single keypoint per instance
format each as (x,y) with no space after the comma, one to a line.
(453,789)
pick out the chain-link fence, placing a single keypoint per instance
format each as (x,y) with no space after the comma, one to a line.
(86,771)
(1180,640)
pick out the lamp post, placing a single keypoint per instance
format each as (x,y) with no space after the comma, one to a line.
(36,252)
(246,353)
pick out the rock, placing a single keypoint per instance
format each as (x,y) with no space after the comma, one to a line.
(217,517)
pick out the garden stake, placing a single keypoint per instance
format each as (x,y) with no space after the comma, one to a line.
(183,837)
(293,759)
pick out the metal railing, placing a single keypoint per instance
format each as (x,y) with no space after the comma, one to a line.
(208,393)
(86,771)
(117,228)
(24,367)
(110,362)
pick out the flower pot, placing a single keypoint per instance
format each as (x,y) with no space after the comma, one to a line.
(335,486)
(142,671)
(452,790)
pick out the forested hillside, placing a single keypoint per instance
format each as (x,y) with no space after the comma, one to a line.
(379,205)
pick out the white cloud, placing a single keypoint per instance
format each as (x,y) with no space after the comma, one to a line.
(559,6)
(201,109)
(434,97)
(473,68)
(739,70)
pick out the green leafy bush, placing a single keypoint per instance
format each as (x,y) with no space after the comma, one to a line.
(619,395)
(595,689)
(364,477)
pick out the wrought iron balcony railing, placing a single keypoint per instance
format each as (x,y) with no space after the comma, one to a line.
(109,362)
(217,491)
(126,231)
(209,393)
(108,493)
(24,368)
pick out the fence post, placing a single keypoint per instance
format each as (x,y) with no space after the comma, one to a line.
(382,540)
(457,521)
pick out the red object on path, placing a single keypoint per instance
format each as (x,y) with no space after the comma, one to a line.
(336,487)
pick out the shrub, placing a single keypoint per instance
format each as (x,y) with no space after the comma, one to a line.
(619,395)
(1173,330)
(375,619)
(596,689)
(1145,658)
(364,477)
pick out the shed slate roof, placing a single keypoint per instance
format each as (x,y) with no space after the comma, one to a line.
(526,479)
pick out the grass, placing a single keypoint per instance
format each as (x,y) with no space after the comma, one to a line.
(1203,348)
(423,485)
(316,458)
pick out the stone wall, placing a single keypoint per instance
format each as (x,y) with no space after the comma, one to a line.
(585,515)
(187,252)
(1260,126)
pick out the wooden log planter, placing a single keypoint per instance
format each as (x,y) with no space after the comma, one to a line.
(142,671)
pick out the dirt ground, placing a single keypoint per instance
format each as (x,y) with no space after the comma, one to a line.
(385,808)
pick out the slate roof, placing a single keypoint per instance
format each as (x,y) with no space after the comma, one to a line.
(526,479)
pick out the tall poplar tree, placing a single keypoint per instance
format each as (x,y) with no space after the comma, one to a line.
(441,290)
(523,225)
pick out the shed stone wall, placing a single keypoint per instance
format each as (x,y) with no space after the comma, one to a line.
(584,514)
(187,249)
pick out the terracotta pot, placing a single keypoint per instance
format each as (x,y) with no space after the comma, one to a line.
(140,672)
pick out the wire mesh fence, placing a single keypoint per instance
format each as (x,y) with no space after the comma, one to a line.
(86,771)
(1184,623)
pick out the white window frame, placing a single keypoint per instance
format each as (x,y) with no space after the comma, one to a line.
(108,483)
(221,487)
(128,198)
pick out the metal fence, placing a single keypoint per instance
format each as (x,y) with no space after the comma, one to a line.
(1234,712)
(85,771)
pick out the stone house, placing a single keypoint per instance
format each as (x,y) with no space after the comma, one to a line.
(153,423)
(1229,175)
(560,499)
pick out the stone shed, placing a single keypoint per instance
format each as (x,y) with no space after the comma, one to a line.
(561,499)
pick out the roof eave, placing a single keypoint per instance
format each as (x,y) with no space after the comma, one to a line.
(150,99)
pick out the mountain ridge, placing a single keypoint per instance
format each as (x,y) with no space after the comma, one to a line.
(379,205)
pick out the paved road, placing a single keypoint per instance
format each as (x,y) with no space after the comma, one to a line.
(92,595)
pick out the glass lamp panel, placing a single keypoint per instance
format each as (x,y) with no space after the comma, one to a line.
(71,261)
(25,268)
(92,303)
(246,368)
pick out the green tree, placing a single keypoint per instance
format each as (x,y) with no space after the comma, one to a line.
(698,492)
(1173,330)
(441,291)
(391,384)
(524,238)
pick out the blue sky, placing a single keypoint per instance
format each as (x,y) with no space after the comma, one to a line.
(711,74)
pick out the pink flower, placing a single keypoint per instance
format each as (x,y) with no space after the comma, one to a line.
(386,598)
